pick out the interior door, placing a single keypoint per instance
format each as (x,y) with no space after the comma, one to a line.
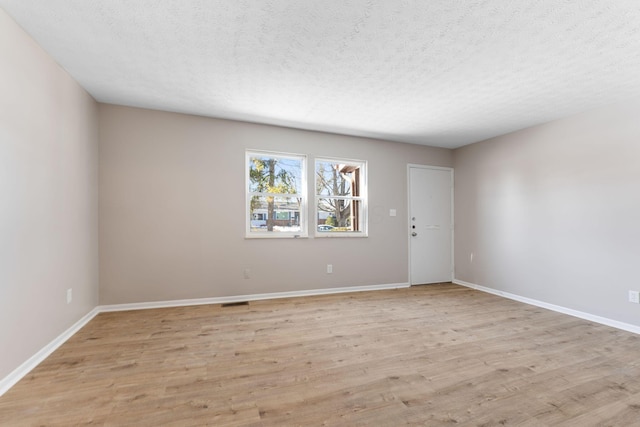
(430,224)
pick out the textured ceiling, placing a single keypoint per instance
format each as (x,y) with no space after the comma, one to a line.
(439,72)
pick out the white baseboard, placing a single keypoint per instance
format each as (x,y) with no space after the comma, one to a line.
(22,370)
(564,310)
(252,297)
(17,374)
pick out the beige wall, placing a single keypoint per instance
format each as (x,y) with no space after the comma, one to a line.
(172,202)
(552,213)
(48,198)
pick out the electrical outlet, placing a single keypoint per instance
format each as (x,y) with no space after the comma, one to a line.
(634,296)
(329,268)
(247,273)
(69,295)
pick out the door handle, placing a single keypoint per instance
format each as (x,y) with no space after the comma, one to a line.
(414,234)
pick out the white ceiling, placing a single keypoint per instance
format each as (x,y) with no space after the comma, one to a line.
(438,72)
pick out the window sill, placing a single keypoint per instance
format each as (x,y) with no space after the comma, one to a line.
(331,235)
(276,236)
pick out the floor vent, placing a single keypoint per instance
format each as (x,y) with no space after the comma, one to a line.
(234,304)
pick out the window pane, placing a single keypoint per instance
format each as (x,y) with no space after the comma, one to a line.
(274,174)
(334,179)
(275,214)
(339,215)
(340,196)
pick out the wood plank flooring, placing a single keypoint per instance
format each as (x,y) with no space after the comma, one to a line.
(429,355)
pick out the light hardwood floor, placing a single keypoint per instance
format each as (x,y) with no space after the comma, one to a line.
(429,355)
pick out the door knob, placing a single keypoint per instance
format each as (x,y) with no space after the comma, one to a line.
(414,234)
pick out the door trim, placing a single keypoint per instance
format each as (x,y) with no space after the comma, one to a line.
(453,261)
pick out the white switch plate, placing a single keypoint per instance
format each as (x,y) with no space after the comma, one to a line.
(392,212)
(329,268)
(634,296)
(69,295)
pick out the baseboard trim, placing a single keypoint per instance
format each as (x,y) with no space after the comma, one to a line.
(252,297)
(560,309)
(21,371)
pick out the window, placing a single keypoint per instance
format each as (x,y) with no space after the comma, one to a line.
(341,198)
(276,194)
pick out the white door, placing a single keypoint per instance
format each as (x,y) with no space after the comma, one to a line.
(430,224)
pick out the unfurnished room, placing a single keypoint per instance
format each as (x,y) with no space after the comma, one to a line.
(305,213)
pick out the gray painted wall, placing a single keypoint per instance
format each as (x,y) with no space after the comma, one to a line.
(553,213)
(48,198)
(172,210)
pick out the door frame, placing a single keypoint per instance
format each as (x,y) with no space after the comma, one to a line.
(408,229)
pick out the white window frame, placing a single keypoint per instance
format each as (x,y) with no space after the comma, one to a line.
(302,195)
(363,198)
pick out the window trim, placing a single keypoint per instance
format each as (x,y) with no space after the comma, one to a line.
(363,198)
(304,205)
